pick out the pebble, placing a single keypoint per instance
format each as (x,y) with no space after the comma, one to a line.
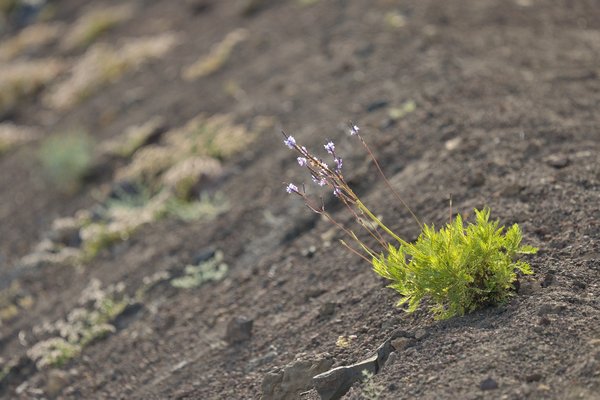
(558,161)
(421,334)
(239,329)
(488,384)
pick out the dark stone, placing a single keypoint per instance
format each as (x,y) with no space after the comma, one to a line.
(476,180)
(488,384)
(203,255)
(558,161)
(258,361)
(295,378)
(376,105)
(239,330)
(327,309)
(535,377)
(335,383)
(548,280)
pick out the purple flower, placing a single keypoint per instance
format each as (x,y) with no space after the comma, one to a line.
(337,192)
(319,181)
(330,147)
(338,164)
(291,188)
(302,161)
(354,130)
(290,142)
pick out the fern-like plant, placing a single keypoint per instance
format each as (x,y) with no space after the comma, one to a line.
(458,268)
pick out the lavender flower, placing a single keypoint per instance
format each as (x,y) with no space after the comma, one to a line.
(302,161)
(354,130)
(291,188)
(319,181)
(337,192)
(290,142)
(330,147)
(338,164)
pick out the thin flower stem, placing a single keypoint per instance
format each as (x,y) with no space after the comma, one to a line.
(381,224)
(387,182)
(346,245)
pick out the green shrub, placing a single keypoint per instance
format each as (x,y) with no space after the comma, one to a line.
(67,158)
(458,268)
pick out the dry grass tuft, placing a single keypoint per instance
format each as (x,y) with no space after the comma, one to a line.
(12,136)
(216,59)
(94,23)
(103,64)
(30,39)
(24,78)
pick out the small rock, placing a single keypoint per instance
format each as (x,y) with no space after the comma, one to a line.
(333,384)
(392,358)
(453,143)
(239,330)
(376,105)
(294,378)
(421,334)
(400,343)
(327,309)
(476,180)
(558,161)
(535,377)
(488,384)
(511,190)
(309,252)
(548,280)
(258,361)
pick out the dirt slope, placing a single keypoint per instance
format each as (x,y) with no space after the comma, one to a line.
(492,102)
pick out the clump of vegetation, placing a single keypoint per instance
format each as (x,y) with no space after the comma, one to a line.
(217,57)
(30,38)
(370,389)
(206,207)
(94,23)
(134,138)
(457,269)
(21,79)
(66,158)
(12,301)
(12,136)
(213,269)
(102,64)
(84,324)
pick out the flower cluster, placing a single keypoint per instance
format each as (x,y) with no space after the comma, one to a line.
(324,175)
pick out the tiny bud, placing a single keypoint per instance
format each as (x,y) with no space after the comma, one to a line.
(354,130)
(302,161)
